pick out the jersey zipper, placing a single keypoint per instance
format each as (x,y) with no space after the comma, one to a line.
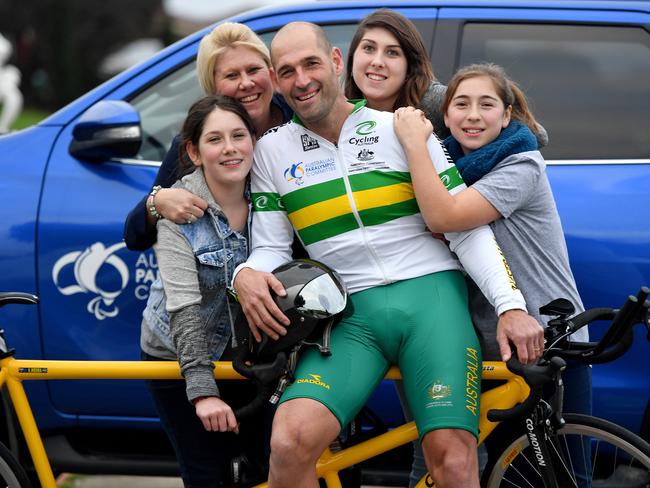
(348,189)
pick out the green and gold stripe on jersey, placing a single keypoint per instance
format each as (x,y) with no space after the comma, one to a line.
(323,210)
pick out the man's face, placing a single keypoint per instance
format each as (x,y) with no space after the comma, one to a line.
(306,75)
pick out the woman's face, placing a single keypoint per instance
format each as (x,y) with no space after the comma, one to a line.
(241,73)
(225,149)
(379,68)
(476,114)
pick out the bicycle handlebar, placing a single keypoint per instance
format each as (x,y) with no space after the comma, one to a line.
(615,342)
(265,377)
(536,376)
(617,338)
(262,397)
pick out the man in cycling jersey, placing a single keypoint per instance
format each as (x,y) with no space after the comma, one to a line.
(337,176)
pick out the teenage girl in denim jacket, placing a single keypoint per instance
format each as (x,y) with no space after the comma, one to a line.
(189,317)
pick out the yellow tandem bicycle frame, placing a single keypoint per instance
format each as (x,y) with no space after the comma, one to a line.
(14,371)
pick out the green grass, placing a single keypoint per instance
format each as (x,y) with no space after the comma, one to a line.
(67,480)
(28,117)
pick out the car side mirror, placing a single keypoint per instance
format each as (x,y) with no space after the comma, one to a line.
(109,129)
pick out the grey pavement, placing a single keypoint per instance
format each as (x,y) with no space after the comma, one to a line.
(134,481)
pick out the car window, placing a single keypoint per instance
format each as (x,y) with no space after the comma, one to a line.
(588,85)
(162,108)
(164,104)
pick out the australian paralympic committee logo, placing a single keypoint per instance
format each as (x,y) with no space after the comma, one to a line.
(98,271)
(86,265)
(300,171)
(295,173)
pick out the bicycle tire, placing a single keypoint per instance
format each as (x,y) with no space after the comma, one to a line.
(12,475)
(618,458)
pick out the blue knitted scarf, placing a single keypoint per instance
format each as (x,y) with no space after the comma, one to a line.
(516,138)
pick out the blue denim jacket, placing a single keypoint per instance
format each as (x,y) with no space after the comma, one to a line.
(217,250)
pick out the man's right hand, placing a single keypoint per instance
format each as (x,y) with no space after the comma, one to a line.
(261,311)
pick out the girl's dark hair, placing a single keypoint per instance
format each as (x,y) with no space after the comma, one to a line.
(195,120)
(419,73)
(507,90)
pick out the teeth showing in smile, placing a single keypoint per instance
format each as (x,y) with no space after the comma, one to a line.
(250,98)
(375,77)
(307,97)
(472,131)
(232,162)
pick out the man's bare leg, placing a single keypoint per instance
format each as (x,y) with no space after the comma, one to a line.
(451,458)
(302,429)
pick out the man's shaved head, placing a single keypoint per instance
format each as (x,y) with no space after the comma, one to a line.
(297,30)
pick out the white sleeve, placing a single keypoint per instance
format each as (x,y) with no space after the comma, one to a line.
(271,230)
(481,257)
(445,167)
(477,249)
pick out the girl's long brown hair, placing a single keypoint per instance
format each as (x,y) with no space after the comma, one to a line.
(507,90)
(419,73)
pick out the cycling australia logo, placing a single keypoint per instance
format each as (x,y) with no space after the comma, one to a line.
(295,173)
(87,266)
(364,131)
(365,128)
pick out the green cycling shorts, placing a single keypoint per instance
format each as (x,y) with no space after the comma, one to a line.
(423,326)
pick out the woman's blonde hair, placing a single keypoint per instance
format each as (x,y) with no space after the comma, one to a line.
(213,45)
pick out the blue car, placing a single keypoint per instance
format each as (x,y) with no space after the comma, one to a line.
(69,182)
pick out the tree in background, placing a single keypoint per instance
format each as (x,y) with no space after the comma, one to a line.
(58,44)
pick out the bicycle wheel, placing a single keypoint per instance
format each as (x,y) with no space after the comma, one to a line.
(586,452)
(12,475)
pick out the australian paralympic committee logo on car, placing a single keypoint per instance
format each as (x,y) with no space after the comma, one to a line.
(86,266)
(99,272)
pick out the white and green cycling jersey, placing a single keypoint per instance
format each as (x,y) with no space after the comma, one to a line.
(352,205)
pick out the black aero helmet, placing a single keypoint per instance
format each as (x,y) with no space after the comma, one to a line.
(316,296)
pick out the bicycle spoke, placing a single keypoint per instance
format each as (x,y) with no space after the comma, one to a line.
(532,465)
(521,476)
(595,458)
(511,483)
(572,471)
(588,451)
(560,457)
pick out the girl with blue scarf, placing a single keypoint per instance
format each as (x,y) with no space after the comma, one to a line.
(494,146)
